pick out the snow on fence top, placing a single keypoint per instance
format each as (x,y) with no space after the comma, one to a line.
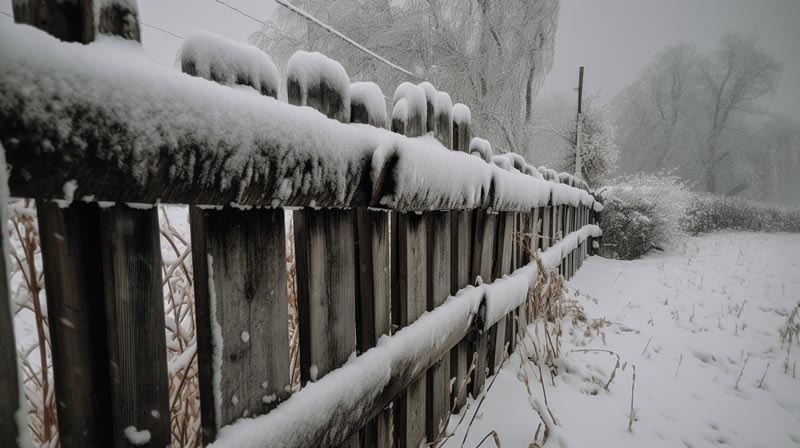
(367,104)
(416,108)
(122,128)
(461,114)
(311,76)
(481,148)
(503,162)
(222,60)
(530,170)
(517,160)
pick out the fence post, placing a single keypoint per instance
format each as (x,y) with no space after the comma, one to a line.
(373,302)
(501,266)
(240,301)
(409,270)
(101,327)
(483,251)
(461,260)
(324,239)
(439,225)
(135,320)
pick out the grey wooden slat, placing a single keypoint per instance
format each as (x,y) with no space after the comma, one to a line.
(240,299)
(373,305)
(501,266)
(135,321)
(326,292)
(482,261)
(438,260)
(72,261)
(409,293)
(461,264)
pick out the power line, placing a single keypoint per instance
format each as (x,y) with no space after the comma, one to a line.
(163,30)
(6,14)
(324,26)
(331,30)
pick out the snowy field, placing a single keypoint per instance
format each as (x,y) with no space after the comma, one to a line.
(702,323)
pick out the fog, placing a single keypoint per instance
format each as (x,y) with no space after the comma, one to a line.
(615,39)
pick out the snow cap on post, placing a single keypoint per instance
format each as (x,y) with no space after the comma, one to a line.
(367,104)
(461,123)
(430,101)
(443,119)
(503,162)
(530,170)
(415,109)
(481,148)
(315,80)
(224,61)
(517,160)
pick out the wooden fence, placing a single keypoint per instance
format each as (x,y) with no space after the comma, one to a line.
(389,235)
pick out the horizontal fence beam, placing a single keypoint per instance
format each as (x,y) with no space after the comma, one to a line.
(327,412)
(105,123)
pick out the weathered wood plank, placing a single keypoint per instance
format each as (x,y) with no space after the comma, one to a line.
(438,261)
(501,266)
(409,298)
(326,291)
(240,299)
(482,262)
(461,264)
(373,304)
(73,270)
(135,320)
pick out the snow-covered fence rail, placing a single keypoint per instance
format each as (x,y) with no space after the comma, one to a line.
(391,229)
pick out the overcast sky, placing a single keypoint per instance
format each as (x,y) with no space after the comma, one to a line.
(613,39)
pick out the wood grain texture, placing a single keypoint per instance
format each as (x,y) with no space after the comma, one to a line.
(460,265)
(482,263)
(135,321)
(498,335)
(72,261)
(373,304)
(439,226)
(240,291)
(326,290)
(409,301)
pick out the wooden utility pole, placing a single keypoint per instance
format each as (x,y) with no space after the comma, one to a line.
(579,120)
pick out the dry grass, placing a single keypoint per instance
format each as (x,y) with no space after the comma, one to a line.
(184,394)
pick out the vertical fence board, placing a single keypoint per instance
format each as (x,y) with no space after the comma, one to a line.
(373,304)
(135,321)
(409,297)
(438,260)
(501,266)
(482,262)
(461,264)
(72,261)
(240,293)
(326,292)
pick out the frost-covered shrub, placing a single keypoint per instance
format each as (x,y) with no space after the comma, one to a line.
(711,213)
(641,212)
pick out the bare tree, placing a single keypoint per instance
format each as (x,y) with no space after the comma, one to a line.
(738,75)
(488,54)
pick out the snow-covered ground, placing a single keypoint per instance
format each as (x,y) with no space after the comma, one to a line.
(692,320)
